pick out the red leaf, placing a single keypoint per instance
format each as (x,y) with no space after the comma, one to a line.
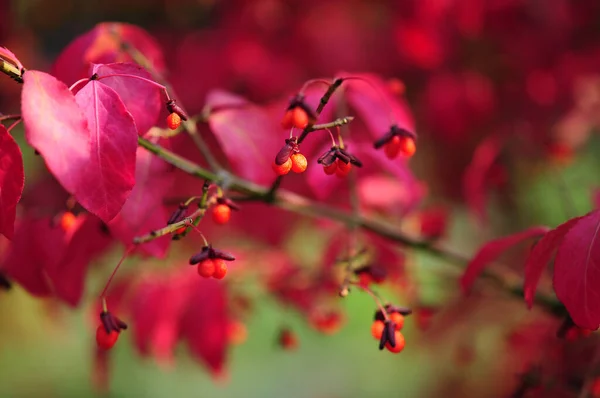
(376,105)
(247,135)
(144,210)
(7,55)
(577,271)
(102,44)
(539,257)
(86,241)
(141,99)
(491,250)
(474,179)
(12,181)
(56,127)
(108,178)
(204,323)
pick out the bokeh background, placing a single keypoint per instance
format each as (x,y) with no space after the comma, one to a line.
(514,81)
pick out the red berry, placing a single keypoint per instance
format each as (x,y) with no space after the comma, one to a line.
(399,343)
(407,146)
(236,332)
(398,319)
(288,339)
(329,170)
(220,268)
(342,168)
(299,163)
(299,117)
(283,169)
(206,268)
(106,340)
(377,329)
(288,120)
(173,121)
(364,279)
(221,214)
(180,230)
(392,148)
(67,221)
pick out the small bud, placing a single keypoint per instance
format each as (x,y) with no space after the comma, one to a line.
(172,107)
(178,214)
(208,252)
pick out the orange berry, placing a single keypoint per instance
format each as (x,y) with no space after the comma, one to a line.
(407,146)
(220,268)
(329,170)
(206,268)
(283,169)
(327,323)
(236,332)
(299,118)
(342,168)
(398,319)
(67,221)
(392,148)
(173,121)
(288,120)
(221,214)
(180,230)
(399,343)
(377,329)
(299,163)
(288,340)
(364,279)
(106,340)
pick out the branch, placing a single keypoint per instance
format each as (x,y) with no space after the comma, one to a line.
(290,201)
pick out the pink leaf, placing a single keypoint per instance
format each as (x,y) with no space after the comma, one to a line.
(577,271)
(12,181)
(375,104)
(86,241)
(56,127)
(102,44)
(492,250)
(474,179)
(539,257)
(246,135)
(6,54)
(204,323)
(109,175)
(144,210)
(141,98)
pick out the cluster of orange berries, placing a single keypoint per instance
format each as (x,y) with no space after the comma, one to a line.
(397,141)
(338,161)
(289,158)
(211,262)
(386,328)
(108,332)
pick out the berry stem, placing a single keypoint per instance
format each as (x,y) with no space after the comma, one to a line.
(4,118)
(13,124)
(324,100)
(311,82)
(374,297)
(112,275)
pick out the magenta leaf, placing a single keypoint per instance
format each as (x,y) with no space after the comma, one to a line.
(476,173)
(103,44)
(492,250)
(576,277)
(86,241)
(375,104)
(144,210)
(8,55)
(108,178)
(142,99)
(540,255)
(247,136)
(12,181)
(55,127)
(205,326)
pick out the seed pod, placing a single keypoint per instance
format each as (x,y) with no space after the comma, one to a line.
(178,214)
(200,256)
(172,107)
(111,323)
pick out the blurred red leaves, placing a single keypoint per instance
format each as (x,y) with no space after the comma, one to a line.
(12,181)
